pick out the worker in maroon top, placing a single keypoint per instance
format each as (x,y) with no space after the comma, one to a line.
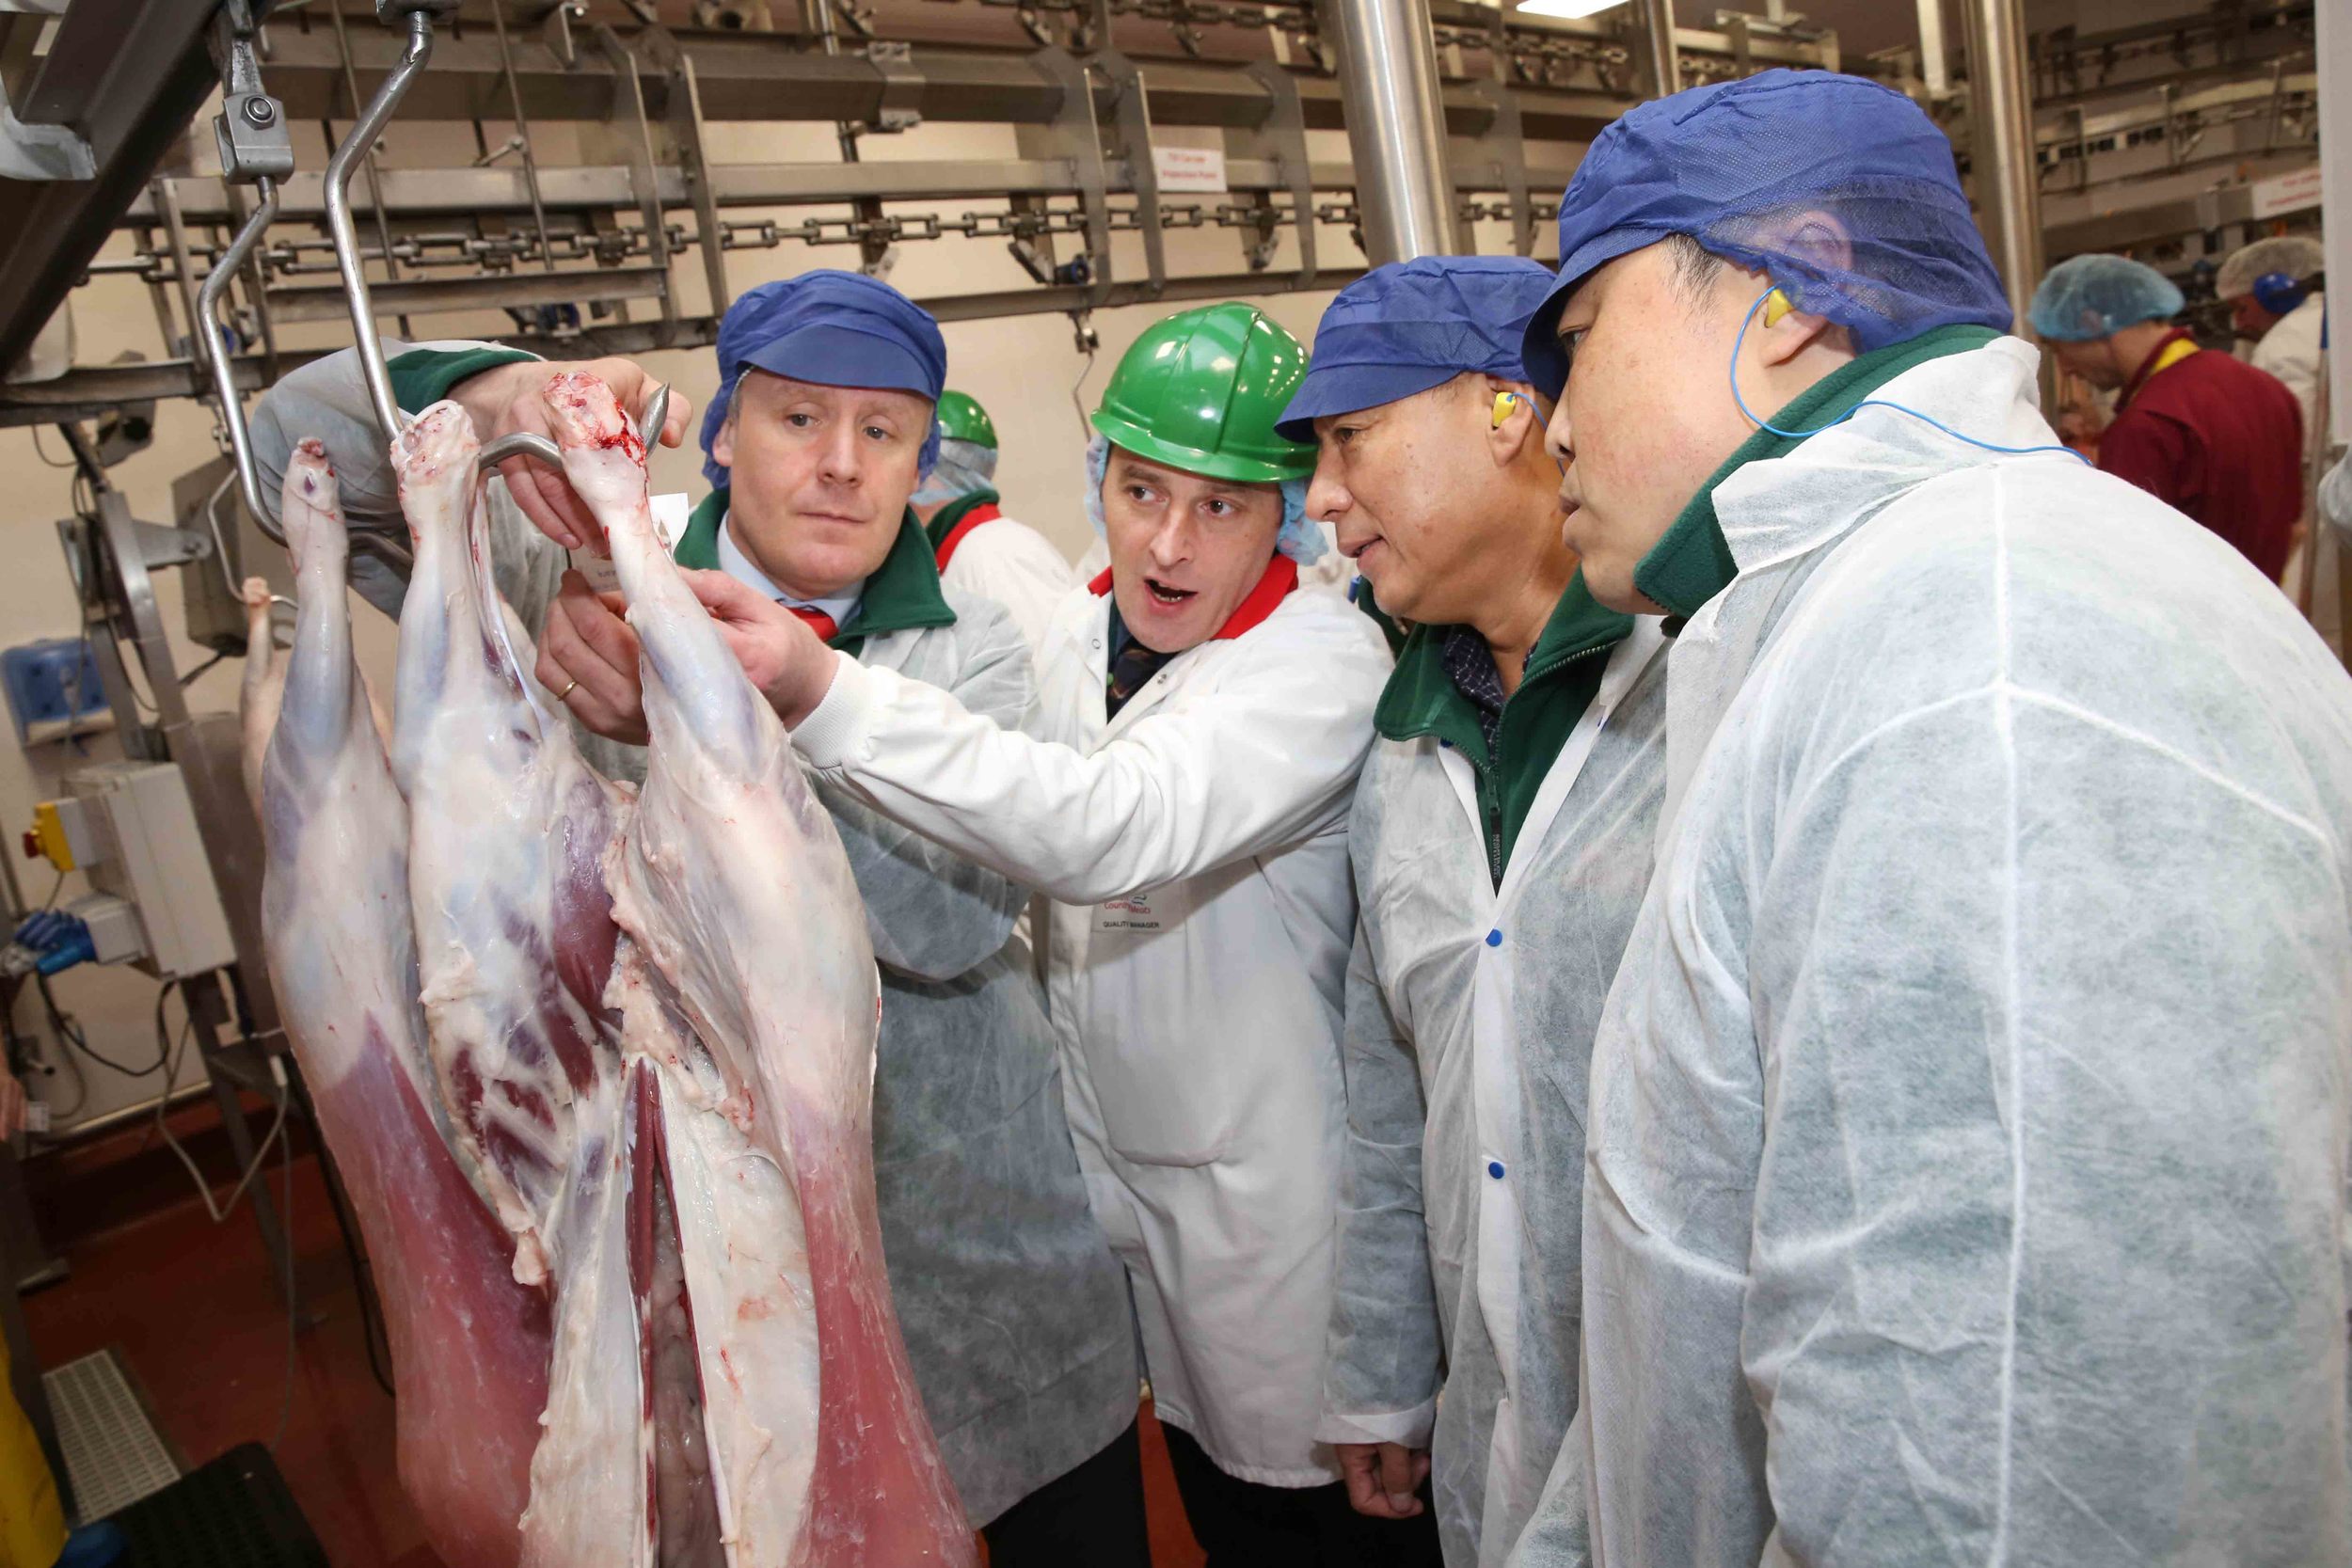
(2211,436)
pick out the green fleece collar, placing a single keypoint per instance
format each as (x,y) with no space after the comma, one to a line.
(902,594)
(1421,699)
(1692,562)
(943,521)
(422,377)
(1563,672)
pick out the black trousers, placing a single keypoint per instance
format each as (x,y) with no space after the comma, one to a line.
(1242,1523)
(1093,1514)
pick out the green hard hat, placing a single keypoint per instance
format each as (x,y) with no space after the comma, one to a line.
(962,419)
(1200,392)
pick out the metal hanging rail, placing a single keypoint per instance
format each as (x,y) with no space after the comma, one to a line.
(355,146)
(255,149)
(215,354)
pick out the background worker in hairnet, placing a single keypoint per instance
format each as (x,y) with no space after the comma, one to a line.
(2276,291)
(979,549)
(1014,1309)
(1964,1164)
(1187,815)
(1501,839)
(2201,431)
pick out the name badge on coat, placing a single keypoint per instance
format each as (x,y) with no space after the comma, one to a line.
(1139,915)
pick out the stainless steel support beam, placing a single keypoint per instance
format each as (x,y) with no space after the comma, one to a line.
(128,75)
(415,194)
(493,291)
(750,76)
(1662,69)
(2131,226)
(85,393)
(2001,146)
(2334,60)
(1396,126)
(1933,69)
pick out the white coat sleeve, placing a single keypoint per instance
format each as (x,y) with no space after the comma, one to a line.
(2043,1240)
(2291,352)
(1267,759)
(932,913)
(1381,1375)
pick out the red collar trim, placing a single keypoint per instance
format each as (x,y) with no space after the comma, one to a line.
(984,512)
(2148,366)
(1282,577)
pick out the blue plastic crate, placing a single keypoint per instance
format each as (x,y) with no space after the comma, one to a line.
(52,686)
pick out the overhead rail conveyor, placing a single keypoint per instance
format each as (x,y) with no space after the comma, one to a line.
(597,252)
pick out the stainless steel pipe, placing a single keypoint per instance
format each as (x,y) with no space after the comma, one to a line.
(1395,126)
(2001,152)
(206,328)
(1658,45)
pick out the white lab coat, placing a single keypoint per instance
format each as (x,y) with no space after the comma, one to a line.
(2290,350)
(1966,1164)
(1471,1012)
(1195,851)
(1015,564)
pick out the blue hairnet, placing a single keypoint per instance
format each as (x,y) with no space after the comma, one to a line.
(1411,326)
(1302,540)
(962,467)
(834,328)
(1738,165)
(2089,297)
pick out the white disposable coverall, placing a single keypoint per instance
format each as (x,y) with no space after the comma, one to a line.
(1966,1172)
(2291,351)
(1194,853)
(1470,1013)
(1017,566)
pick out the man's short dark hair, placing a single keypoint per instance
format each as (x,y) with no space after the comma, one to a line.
(1695,266)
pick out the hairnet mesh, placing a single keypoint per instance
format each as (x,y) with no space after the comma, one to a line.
(1842,191)
(1302,540)
(962,467)
(2085,298)
(2298,256)
(1876,254)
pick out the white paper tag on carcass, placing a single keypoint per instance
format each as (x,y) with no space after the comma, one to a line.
(670,513)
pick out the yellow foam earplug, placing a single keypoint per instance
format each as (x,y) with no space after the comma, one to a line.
(1503,407)
(1775,306)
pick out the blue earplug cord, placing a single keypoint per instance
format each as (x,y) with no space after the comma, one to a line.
(1867,403)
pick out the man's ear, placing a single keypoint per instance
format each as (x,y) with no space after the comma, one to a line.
(1780,335)
(722,444)
(1514,418)
(1816,237)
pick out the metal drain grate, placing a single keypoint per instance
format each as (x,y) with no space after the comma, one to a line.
(112,1453)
